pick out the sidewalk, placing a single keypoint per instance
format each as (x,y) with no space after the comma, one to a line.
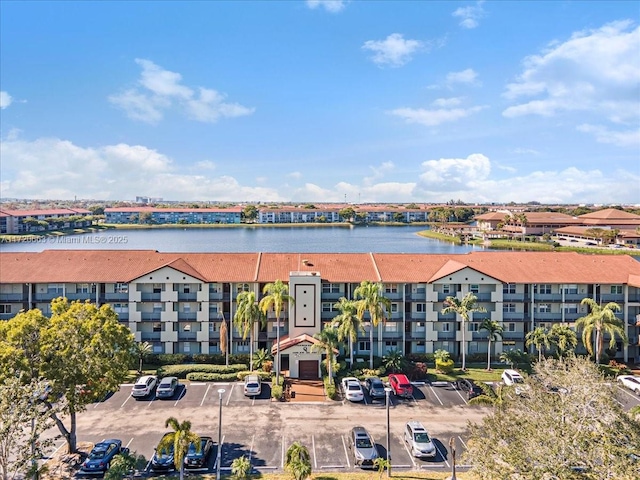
(307,391)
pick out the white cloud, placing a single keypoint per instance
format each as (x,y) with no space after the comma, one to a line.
(333,6)
(378,172)
(205,165)
(465,76)
(447,102)
(434,117)
(452,173)
(159,90)
(595,71)
(470,16)
(525,151)
(5,99)
(394,51)
(627,138)
(295,175)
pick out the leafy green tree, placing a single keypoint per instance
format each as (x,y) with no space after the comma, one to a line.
(298,461)
(600,321)
(347,213)
(464,309)
(394,361)
(23,420)
(441,355)
(247,314)
(540,338)
(563,338)
(125,465)
(494,332)
(327,344)
(80,344)
(349,324)
(261,357)
(514,357)
(550,432)
(276,295)
(179,440)
(372,301)
(141,350)
(250,213)
(240,467)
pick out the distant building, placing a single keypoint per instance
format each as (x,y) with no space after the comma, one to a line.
(162,216)
(34,221)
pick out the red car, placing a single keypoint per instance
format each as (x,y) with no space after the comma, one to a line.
(400,385)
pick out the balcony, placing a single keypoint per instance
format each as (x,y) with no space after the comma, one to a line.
(187,336)
(12,297)
(46,296)
(151,316)
(81,296)
(150,336)
(187,316)
(116,297)
(483,296)
(513,297)
(187,297)
(446,335)
(150,296)
(512,316)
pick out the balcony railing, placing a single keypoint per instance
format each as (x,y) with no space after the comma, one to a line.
(187,316)
(150,336)
(12,297)
(150,297)
(187,297)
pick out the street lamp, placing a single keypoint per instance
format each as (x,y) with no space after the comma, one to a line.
(387,391)
(220,392)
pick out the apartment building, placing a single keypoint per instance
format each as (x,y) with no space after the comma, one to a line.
(42,220)
(128,215)
(177,301)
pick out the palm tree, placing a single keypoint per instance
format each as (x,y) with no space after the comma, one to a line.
(179,440)
(563,338)
(247,313)
(394,361)
(298,461)
(601,320)
(224,340)
(141,350)
(490,396)
(275,296)
(240,467)
(464,308)
(540,338)
(261,357)
(373,301)
(494,331)
(348,322)
(327,344)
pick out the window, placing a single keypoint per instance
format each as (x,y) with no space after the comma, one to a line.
(394,308)
(570,289)
(121,307)
(330,288)
(327,306)
(446,289)
(157,327)
(214,308)
(187,347)
(242,347)
(186,327)
(186,289)
(509,307)
(186,308)
(158,287)
(5,308)
(391,345)
(509,288)
(121,288)
(446,327)
(419,326)
(511,327)
(474,326)
(158,307)
(364,346)
(570,308)
(157,348)
(544,307)
(242,287)
(542,289)
(391,288)
(474,288)
(83,288)
(421,307)
(616,289)
(391,327)
(55,288)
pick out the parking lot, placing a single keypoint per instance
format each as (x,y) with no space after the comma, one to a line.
(262,429)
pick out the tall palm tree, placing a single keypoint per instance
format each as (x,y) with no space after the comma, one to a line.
(600,320)
(540,338)
(494,331)
(348,323)
(141,350)
(179,440)
(247,313)
(463,308)
(563,338)
(298,461)
(224,340)
(327,343)
(375,303)
(496,398)
(276,294)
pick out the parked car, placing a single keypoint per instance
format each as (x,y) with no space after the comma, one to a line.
(632,382)
(363,447)
(469,387)
(252,385)
(418,440)
(162,460)
(195,459)
(375,387)
(144,386)
(352,389)
(100,457)
(400,385)
(513,378)
(167,387)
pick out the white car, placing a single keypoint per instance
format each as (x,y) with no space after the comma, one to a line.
(252,385)
(352,389)
(144,386)
(513,378)
(632,382)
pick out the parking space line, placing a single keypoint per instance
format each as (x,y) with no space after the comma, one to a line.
(346,453)
(229,396)
(443,456)
(49,457)
(627,392)
(282,456)
(253,437)
(462,441)
(437,397)
(183,392)
(127,445)
(205,394)
(313,448)
(128,398)
(415,465)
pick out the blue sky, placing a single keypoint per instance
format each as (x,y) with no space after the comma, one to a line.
(321,101)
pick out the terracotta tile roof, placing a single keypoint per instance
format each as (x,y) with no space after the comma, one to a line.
(609,214)
(171,210)
(499,216)
(48,212)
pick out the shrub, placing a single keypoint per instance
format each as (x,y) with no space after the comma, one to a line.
(181,371)
(213,358)
(267,366)
(421,357)
(444,366)
(237,358)
(376,372)
(276,391)
(330,388)
(211,377)
(418,371)
(264,376)
(173,358)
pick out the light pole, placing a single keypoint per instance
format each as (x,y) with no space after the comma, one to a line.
(387,391)
(452,447)
(219,459)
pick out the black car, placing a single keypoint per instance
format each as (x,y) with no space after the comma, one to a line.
(101,455)
(467,385)
(375,387)
(162,459)
(195,459)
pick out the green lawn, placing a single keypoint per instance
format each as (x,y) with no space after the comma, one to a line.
(474,371)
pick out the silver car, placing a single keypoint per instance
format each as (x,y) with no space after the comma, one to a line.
(418,440)
(167,387)
(363,447)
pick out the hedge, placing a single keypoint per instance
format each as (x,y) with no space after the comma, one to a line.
(264,376)
(181,371)
(211,377)
(199,358)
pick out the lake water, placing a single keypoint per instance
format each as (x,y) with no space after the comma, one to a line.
(378,239)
